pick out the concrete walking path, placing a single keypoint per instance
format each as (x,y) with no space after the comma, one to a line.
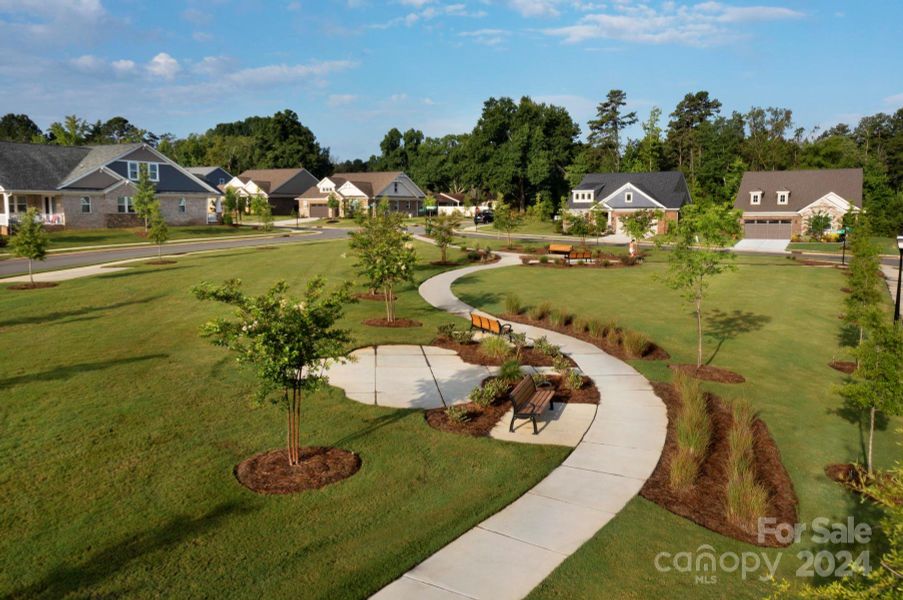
(510,553)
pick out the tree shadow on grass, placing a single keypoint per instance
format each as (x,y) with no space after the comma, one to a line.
(64,373)
(79,578)
(373,425)
(848,336)
(723,326)
(860,418)
(145,270)
(85,313)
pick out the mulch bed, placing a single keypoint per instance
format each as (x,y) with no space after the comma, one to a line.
(480,420)
(846,290)
(395,323)
(844,366)
(854,477)
(378,296)
(270,473)
(705,504)
(577,265)
(846,473)
(470,353)
(37,285)
(710,373)
(160,262)
(653,352)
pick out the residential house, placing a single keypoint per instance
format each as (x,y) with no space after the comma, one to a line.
(364,191)
(93,186)
(448,203)
(778,204)
(279,186)
(620,194)
(215,177)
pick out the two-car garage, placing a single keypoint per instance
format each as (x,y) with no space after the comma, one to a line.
(767,229)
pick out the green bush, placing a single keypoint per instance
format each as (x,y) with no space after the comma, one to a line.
(595,327)
(4,242)
(543,259)
(635,344)
(519,341)
(446,331)
(510,372)
(227,219)
(513,305)
(542,344)
(463,336)
(526,260)
(573,380)
(540,311)
(457,414)
(482,395)
(561,364)
(495,347)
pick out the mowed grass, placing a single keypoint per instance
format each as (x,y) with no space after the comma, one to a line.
(773,321)
(77,238)
(887,245)
(121,428)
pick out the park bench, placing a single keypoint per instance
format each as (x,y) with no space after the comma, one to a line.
(490,325)
(560,248)
(584,255)
(528,401)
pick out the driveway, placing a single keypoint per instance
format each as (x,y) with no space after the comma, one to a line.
(769,246)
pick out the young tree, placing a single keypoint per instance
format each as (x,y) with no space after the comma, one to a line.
(290,343)
(698,254)
(385,254)
(817,225)
(260,206)
(159,232)
(865,276)
(145,199)
(443,232)
(30,240)
(637,224)
(333,204)
(877,383)
(230,202)
(506,219)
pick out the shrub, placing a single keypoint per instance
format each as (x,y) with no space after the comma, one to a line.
(543,259)
(526,260)
(456,414)
(605,263)
(613,335)
(580,325)
(694,432)
(573,380)
(3,241)
(519,341)
(540,311)
(559,318)
(538,379)
(495,347)
(513,305)
(635,344)
(227,219)
(446,331)
(595,327)
(482,395)
(509,372)
(542,344)
(562,261)
(463,336)
(561,364)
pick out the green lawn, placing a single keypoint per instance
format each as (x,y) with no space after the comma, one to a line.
(121,427)
(76,238)
(530,226)
(888,245)
(774,322)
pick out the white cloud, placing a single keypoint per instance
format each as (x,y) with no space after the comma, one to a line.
(202,36)
(88,63)
(123,66)
(53,21)
(535,8)
(894,101)
(416,3)
(164,66)
(276,74)
(213,65)
(429,13)
(337,100)
(703,24)
(193,15)
(488,37)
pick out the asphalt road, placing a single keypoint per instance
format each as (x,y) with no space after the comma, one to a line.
(66,260)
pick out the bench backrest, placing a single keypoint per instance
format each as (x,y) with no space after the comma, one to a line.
(494,326)
(475,319)
(560,248)
(580,254)
(484,323)
(522,392)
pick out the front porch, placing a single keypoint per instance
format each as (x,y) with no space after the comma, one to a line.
(14,206)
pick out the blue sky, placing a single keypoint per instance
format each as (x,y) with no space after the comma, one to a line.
(354,68)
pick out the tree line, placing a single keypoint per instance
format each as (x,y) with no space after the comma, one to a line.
(531,153)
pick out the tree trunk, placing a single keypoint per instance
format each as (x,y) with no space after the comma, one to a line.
(293,436)
(390,304)
(443,250)
(871,437)
(698,332)
(160,252)
(30,274)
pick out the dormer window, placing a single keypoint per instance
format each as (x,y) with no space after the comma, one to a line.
(783,197)
(628,197)
(755,198)
(134,170)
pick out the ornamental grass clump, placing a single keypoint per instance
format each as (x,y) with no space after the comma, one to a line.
(595,327)
(513,304)
(747,500)
(580,325)
(694,433)
(559,318)
(612,335)
(540,311)
(509,372)
(495,347)
(573,380)
(635,344)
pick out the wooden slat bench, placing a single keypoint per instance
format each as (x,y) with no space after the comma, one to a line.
(490,325)
(579,255)
(560,248)
(528,401)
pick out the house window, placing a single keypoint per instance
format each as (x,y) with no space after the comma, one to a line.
(755,198)
(133,170)
(628,197)
(20,204)
(124,205)
(222,180)
(86,204)
(153,171)
(182,205)
(782,197)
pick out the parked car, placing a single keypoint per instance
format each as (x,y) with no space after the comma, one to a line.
(485,216)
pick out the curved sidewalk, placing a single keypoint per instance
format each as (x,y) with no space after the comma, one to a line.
(508,554)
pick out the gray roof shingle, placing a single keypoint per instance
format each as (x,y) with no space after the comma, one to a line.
(805,187)
(47,167)
(667,187)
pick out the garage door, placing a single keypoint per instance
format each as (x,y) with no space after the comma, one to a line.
(319,210)
(767,229)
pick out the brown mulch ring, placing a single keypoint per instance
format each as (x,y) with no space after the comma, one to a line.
(480,420)
(266,247)
(37,285)
(395,323)
(470,353)
(705,503)
(845,473)
(160,262)
(270,473)
(844,366)
(379,296)
(710,373)
(653,352)
(846,290)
